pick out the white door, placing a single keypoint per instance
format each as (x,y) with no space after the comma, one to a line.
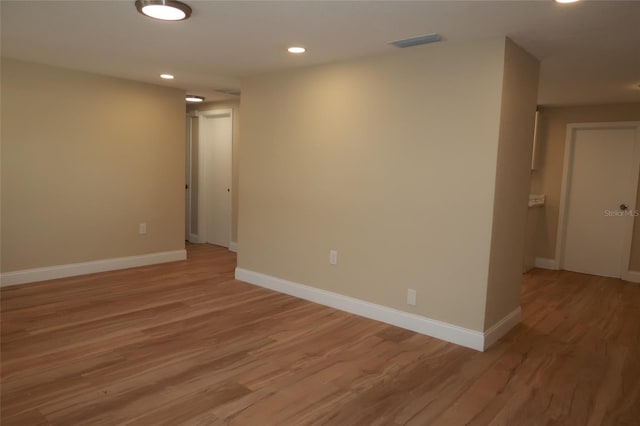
(187,192)
(214,186)
(601,179)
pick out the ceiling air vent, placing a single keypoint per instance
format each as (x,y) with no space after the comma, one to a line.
(235,92)
(416,41)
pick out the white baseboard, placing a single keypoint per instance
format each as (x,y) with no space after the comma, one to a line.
(233,246)
(423,325)
(194,238)
(543,263)
(502,327)
(632,276)
(74,269)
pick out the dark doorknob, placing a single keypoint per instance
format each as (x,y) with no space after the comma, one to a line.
(623,206)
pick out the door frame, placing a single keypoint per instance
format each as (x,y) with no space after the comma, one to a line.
(212,113)
(565,188)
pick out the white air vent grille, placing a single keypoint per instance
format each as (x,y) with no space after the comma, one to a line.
(235,92)
(415,41)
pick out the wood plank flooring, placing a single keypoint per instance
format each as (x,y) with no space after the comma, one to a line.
(184,343)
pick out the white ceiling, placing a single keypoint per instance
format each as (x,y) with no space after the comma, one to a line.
(589,51)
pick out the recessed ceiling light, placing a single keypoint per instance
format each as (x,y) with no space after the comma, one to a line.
(193,98)
(296,49)
(165,10)
(167,76)
(566,1)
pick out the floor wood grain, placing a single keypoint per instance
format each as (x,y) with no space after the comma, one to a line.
(184,343)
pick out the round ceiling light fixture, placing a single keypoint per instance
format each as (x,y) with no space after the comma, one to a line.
(296,49)
(193,98)
(164,10)
(167,76)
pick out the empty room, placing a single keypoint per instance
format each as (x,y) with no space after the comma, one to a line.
(320,212)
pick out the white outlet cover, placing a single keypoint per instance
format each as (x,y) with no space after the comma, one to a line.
(411,297)
(333,257)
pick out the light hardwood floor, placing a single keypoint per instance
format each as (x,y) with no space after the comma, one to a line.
(184,343)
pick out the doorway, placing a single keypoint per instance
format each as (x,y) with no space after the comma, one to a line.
(598,199)
(210,177)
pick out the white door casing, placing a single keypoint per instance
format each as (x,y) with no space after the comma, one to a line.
(600,173)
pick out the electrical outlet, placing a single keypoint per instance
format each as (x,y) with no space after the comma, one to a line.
(142,228)
(333,257)
(411,297)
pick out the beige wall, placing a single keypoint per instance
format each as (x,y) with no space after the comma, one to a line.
(85,159)
(235,166)
(547,179)
(389,160)
(517,118)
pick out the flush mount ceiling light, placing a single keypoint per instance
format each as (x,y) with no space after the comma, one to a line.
(165,10)
(566,1)
(296,49)
(193,98)
(167,76)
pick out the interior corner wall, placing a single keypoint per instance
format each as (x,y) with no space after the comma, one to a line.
(517,118)
(85,159)
(233,104)
(547,179)
(389,160)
